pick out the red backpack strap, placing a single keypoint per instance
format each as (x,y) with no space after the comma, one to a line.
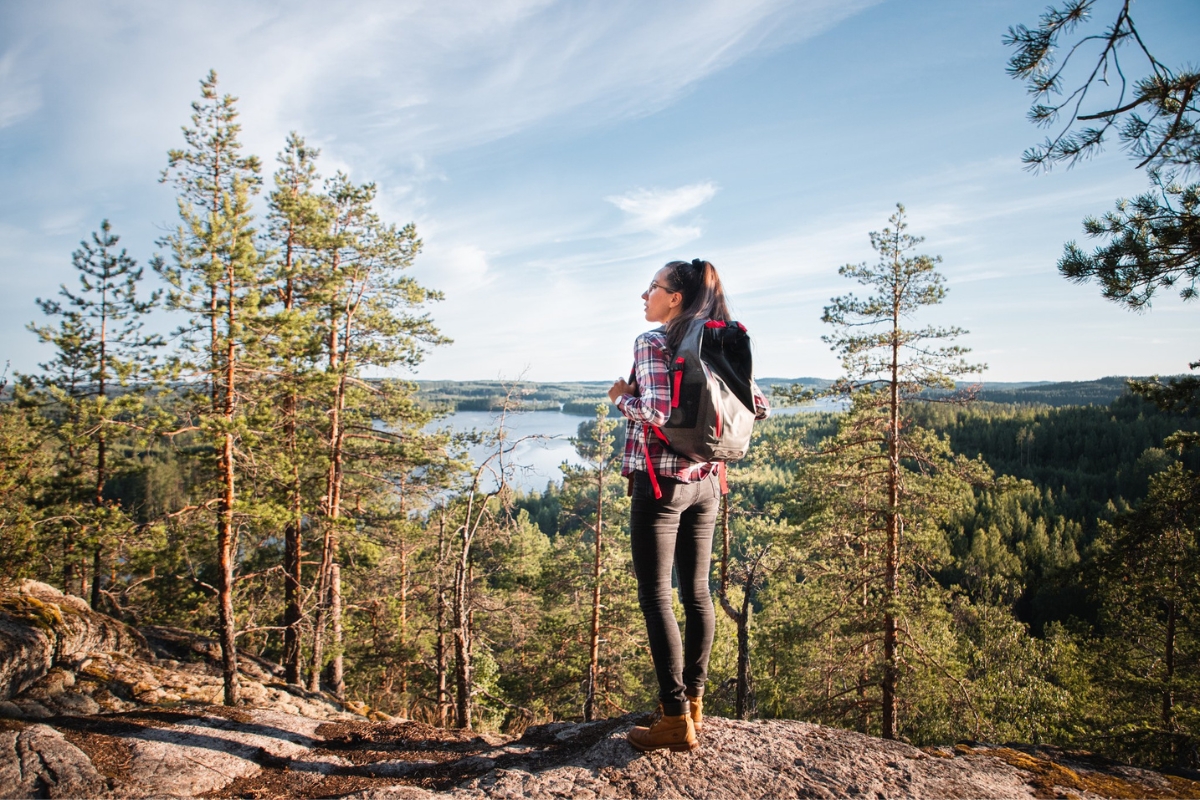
(677,379)
(721,478)
(649,463)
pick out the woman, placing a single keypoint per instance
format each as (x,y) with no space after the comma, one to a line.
(675,529)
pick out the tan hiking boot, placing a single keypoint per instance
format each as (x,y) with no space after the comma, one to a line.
(674,733)
(696,712)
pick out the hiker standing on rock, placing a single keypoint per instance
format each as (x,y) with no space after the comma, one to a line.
(685,419)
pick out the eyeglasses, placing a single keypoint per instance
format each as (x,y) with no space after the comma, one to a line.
(656,285)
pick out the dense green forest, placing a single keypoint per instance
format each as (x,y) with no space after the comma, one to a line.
(916,566)
(571,397)
(580,397)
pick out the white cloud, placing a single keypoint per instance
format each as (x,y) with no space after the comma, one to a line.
(461,267)
(654,209)
(373,81)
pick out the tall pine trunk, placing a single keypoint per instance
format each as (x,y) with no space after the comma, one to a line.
(589,705)
(442,651)
(225,523)
(745,703)
(462,640)
(891,567)
(335,513)
(332,506)
(293,555)
(337,679)
(317,658)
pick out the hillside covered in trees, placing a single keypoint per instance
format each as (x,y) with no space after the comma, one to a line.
(920,566)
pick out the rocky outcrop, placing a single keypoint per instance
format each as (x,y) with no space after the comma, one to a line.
(106,712)
(57,656)
(220,752)
(41,627)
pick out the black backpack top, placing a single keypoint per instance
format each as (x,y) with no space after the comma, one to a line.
(712,395)
(712,392)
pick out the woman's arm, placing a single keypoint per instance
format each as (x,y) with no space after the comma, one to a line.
(651,368)
(762,408)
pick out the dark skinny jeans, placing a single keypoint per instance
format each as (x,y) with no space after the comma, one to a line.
(675,529)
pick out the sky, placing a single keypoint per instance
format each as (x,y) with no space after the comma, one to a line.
(554,154)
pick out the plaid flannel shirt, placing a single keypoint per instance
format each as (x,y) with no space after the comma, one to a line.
(652,405)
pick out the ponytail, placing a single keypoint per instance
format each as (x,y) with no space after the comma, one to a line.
(703,297)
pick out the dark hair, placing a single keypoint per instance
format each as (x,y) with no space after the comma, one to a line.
(703,296)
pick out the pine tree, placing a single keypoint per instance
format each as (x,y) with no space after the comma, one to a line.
(100,346)
(1153,241)
(371,318)
(297,223)
(595,446)
(885,365)
(216,279)
(1147,563)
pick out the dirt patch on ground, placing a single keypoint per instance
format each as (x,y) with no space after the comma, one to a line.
(355,733)
(282,783)
(110,755)
(232,714)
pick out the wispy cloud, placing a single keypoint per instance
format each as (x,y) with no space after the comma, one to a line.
(655,210)
(373,79)
(20,95)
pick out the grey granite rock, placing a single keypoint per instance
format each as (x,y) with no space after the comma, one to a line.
(38,761)
(255,752)
(122,721)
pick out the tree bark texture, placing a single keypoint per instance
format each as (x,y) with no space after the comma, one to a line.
(1168,695)
(337,679)
(589,705)
(292,612)
(317,658)
(893,524)
(442,654)
(746,703)
(462,639)
(225,523)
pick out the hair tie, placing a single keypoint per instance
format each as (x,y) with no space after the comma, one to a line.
(697,263)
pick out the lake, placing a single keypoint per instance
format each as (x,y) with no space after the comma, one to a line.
(537,461)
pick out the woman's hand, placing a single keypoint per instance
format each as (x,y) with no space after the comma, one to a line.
(621,387)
